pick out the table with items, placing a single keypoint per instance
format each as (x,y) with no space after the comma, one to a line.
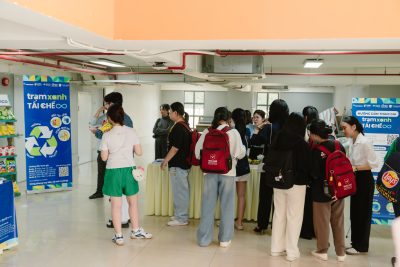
(159,197)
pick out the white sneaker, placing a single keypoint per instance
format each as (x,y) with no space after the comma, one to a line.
(278,254)
(321,256)
(353,251)
(225,244)
(119,240)
(172,218)
(140,234)
(341,258)
(177,223)
(292,258)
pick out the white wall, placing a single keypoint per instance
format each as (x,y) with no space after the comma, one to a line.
(344,94)
(142,104)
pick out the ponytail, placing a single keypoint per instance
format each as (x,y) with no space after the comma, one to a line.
(220,114)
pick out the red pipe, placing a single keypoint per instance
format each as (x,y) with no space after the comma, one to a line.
(305,53)
(57,66)
(184,54)
(47,54)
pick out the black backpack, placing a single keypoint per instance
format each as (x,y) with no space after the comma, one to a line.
(279,168)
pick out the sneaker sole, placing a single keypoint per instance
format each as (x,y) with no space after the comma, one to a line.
(142,237)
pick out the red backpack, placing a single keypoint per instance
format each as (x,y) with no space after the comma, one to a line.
(215,157)
(195,135)
(339,172)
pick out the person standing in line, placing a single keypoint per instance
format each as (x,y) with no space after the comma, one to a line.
(117,148)
(310,114)
(289,203)
(242,167)
(219,185)
(179,140)
(363,159)
(98,120)
(249,125)
(395,147)
(160,132)
(278,113)
(327,210)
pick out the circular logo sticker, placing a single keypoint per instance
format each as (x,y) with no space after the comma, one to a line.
(376,206)
(390,179)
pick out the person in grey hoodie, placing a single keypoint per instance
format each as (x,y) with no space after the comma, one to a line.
(160,132)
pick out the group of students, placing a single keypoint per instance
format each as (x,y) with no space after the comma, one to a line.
(282,131)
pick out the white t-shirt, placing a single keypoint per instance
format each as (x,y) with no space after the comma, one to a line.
(119,142)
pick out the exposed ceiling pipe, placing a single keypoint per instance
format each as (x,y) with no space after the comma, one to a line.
(330,74)
(305,53)
(49,54)
(73,69)
(184,54)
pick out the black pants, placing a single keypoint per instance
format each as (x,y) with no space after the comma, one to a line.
(101,170)
(307,228)
(396,208)
(361,211)
(161,148)
(264,204)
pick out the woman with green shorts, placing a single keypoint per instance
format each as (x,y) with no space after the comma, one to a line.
(117,148)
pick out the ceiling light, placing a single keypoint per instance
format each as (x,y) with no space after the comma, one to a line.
(108,63)
(313,63)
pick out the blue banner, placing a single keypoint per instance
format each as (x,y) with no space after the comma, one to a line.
(8,223)
(381,121)
(47,133)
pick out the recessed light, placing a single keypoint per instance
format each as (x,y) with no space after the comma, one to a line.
(108,63)
(313,63)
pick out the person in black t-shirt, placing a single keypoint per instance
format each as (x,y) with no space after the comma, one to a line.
(179,140)
(325,209)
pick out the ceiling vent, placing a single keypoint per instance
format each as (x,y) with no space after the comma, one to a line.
(233,67)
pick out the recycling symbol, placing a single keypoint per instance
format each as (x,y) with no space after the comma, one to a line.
(44,136)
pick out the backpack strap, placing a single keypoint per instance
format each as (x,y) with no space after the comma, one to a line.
(337,145)
(323,149)
(226,129)
(185,125)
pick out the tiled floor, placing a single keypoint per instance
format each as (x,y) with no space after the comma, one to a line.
(67,229)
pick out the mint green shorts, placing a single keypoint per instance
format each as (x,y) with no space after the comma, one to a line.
(120,181)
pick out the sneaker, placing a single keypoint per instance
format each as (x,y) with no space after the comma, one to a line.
(260,231)
(225,244)
(353,251)
(321,256)
(119,240)
(172,218)
(123,225)
(292,258)
(96,195)
(341,258)
(239,227)
(140,234)
(177,223)
(278,254)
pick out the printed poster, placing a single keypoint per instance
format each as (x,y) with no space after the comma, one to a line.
(8,223)
(47,133)
(381,122)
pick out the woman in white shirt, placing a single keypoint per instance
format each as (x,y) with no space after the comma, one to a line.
(117,148)
(363,159)
(220,186)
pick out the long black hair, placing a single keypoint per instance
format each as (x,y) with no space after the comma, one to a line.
(278,112)
(239,117)
(248,116)
(351,120)
(319,127)
(220,114)
(311,113)
(295,124)
(116,113)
